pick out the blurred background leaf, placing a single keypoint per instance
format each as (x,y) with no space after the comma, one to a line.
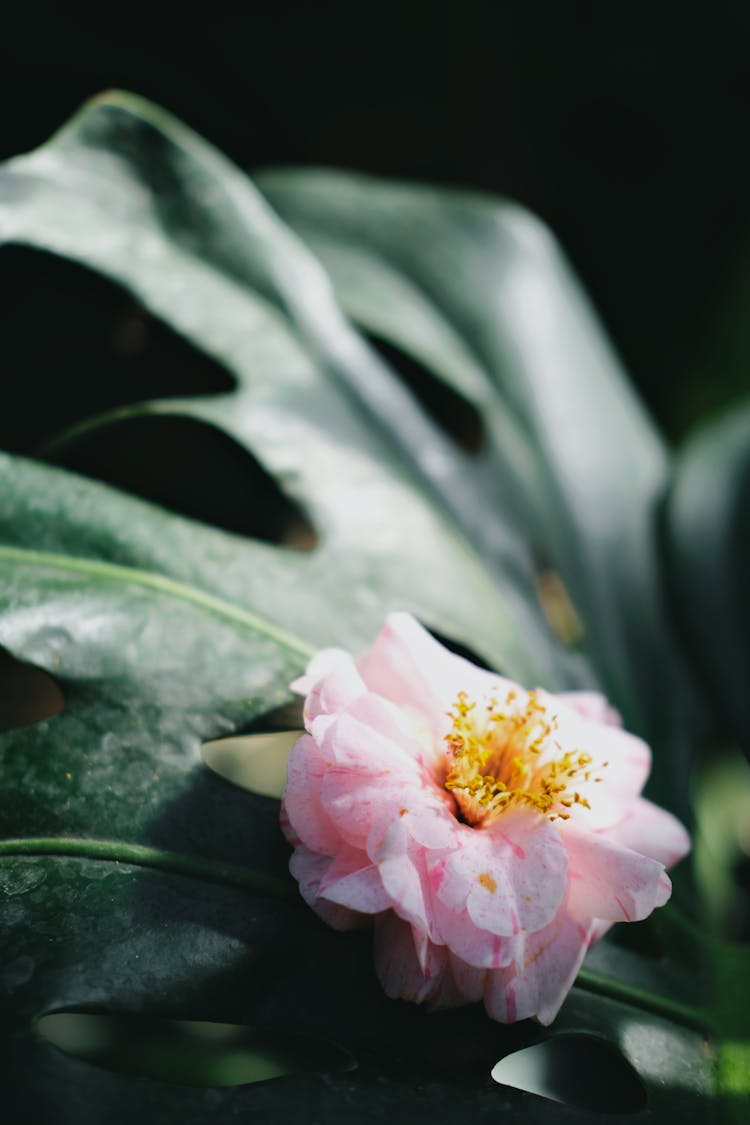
(708,543)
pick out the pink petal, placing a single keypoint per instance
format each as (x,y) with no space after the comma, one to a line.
(611,882)
(351,880)
(592,705)
(510,876)
(386,719)
(598,929)
(361,745)
(539,984)
(410,668)
(428,822)
(397,965)
(459,984)
(303,815)
(308,869)
(506,911)
(477,948)
(357,803)
(330,683)
(374,780)
(369,738)
(402,868)
(620,760)
(469,982)
(651,831)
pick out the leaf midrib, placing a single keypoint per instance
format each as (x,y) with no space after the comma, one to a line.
(97,568)
(142,855)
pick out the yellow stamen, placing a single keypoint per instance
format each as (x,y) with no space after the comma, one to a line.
(499,757)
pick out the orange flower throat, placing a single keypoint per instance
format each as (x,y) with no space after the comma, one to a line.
(505,755)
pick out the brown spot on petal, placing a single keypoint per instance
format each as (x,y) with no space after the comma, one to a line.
(402,812)
(487,882)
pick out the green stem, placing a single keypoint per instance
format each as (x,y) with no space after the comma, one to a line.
(685,1014)
(95,568)
(140,855)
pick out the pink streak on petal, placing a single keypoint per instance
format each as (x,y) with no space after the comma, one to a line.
(615,883)
(474,946)
(436,875)
(625,914)
(517,850)
(540,981)
(352,881)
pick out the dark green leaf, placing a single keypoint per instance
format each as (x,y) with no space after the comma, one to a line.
(708,540)
(132,193)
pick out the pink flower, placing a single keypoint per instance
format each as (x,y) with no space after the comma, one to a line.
(491,833)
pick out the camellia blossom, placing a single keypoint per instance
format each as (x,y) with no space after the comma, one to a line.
(490,832)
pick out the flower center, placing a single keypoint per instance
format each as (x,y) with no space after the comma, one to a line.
(505,754)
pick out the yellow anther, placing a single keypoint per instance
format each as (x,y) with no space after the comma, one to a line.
(499,758)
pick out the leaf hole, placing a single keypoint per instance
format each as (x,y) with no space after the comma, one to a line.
(99,350)
(190,1052)
(454,414)
(27,694)
(581,1071)
(460,649)
(253,761)
(192,468)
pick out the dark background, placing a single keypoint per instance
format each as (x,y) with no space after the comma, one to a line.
(624,126)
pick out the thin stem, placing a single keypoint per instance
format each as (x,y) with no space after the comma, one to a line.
(140,855)
(96,568)
(592,981)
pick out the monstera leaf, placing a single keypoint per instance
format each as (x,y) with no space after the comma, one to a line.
(136,883)
(708,517)
(197,245)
